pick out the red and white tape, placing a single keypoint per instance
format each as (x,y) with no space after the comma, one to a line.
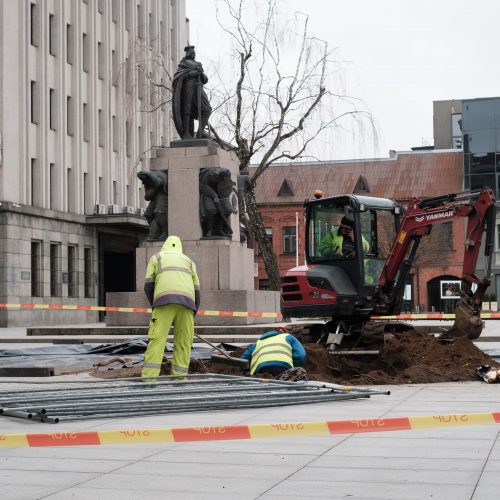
(246,432)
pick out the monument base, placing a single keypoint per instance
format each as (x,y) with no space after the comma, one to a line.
(211,300)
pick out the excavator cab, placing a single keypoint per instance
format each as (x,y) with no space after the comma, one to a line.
(353,233)
(348,240)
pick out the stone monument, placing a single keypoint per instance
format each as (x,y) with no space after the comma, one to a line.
(225,265)
(200,204)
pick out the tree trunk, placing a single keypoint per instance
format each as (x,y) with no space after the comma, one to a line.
(255,225)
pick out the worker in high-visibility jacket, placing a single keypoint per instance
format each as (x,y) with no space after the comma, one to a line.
(173,290)
(274,353)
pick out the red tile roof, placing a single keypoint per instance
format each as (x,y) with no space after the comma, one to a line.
(407,174)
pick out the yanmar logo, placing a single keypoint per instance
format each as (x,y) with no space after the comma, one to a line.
(438,215)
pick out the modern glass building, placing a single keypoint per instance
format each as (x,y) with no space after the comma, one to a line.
(481,143)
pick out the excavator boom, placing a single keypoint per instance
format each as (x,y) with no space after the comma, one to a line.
(478,207)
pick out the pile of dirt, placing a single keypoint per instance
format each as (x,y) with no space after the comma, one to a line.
(407,358)
(411,358)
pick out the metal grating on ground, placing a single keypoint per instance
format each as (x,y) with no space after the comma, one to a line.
(65,401)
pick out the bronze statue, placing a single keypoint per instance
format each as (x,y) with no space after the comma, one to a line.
(155,191)
(216,202)
(189,101)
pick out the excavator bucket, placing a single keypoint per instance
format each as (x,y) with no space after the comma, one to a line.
(468,322)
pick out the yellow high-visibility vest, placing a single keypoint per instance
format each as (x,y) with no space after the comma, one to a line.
(273,348)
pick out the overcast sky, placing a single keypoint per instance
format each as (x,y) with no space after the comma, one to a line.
(403,54)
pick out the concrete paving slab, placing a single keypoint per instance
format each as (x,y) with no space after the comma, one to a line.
(86,493)
(199,470)
(488,488)
(209,458)
(47,477)
(30,463)
(360,489)
(162,483)
(389,475)
(26,492)
(443,465)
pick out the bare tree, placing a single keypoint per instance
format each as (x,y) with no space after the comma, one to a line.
(280,102)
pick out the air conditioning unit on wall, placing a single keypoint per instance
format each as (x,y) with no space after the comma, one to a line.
(113,209)
(100,209)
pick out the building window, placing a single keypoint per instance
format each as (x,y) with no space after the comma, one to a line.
(87,272)
(86,122)
(115,69)
(269,234)
(115,11)
(100,6)
(151,25)
(85,52)
(36,182)
(72,271)
(54,270)
(128,138)
(140,22)
(52,110)
(70,44)
(100,61)
(264,285)
(116,134)
(289,240)
(34,103)
(115,193)
(36,268)
(71,195)
(70,116)
(100,119)
(52,35)
(52,186)
(128,15)
(34,24)
(447,235)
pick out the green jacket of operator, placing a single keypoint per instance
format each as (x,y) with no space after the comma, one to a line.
(341,243)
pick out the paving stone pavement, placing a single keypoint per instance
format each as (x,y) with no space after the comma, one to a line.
(452,463)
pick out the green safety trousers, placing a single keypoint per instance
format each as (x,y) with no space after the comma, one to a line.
(159,326)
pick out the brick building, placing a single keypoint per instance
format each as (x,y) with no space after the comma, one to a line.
(282,190)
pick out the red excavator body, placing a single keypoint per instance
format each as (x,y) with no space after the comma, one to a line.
(350,279)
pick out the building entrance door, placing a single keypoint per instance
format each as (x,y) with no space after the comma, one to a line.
(116,265)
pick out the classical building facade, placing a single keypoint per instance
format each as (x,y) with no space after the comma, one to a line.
(82,108)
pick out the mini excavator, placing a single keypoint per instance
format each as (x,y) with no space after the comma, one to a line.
(350,288)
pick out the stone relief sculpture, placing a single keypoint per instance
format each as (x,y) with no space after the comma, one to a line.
(189,100)
(217,202)
(155,191)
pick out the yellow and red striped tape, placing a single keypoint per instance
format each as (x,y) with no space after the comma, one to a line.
(236,432)
(206,312)
(146,310)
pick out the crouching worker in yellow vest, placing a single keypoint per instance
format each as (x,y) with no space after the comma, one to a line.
(173,290)
(274,353)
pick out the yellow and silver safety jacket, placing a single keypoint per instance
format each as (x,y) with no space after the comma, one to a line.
(171,277)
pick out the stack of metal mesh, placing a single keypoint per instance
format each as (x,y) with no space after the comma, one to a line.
(130,397)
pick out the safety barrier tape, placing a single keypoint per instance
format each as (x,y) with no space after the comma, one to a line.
(146,310)
(206,312)
(236,432)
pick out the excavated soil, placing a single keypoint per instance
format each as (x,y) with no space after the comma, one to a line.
(407,358)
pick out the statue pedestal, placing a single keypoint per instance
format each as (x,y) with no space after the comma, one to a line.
(225,266)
